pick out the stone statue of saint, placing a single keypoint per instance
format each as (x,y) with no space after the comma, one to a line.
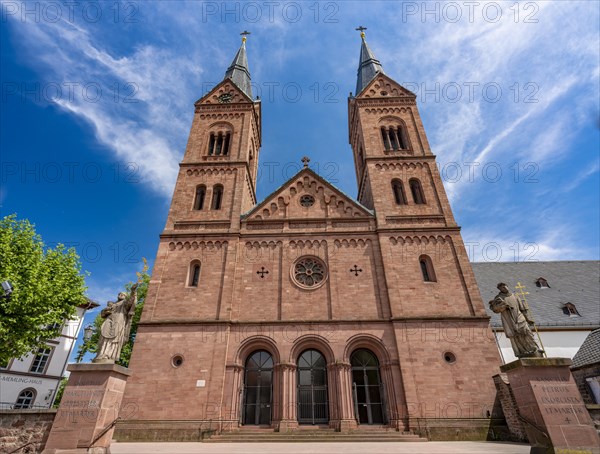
(515,321)
(116,326)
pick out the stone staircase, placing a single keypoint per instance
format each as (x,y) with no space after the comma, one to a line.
(312,434)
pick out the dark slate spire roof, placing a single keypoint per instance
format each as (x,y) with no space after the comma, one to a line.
(589,352)
(238,71)
(368,67)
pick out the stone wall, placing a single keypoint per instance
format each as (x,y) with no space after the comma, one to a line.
(509,408)
(19,427)
(580,374)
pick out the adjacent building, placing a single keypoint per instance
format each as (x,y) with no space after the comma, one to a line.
(32,381)
(563,297)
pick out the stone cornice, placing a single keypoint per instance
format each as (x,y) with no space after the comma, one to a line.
(231,107)
(313,322)
(221,163)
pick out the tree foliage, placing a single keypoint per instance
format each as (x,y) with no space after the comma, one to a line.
(48,286)
(91,345)
(60,391)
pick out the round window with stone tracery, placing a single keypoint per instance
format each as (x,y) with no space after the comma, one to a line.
(309,272)
(307,200)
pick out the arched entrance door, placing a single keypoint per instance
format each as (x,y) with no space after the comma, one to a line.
(258,388)
(367,387)
(312,388)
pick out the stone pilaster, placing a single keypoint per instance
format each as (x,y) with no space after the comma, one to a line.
(236,403)
(393,416)
(287,407)
(345,418)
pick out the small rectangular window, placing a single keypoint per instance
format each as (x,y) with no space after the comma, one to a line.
(40,361)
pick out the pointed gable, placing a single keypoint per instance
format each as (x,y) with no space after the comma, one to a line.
(307,196)
(384,86)
(226,87)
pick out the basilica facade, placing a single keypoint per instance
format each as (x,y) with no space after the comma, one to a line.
(311,308)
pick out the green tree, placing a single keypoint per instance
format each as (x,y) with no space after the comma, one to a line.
(48,286)
(60,391)
(92,344)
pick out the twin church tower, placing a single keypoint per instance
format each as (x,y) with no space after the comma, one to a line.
(310,308)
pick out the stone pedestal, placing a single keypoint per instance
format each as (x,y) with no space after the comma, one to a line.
(88,409)
(550,406)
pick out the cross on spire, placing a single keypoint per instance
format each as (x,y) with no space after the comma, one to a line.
(244,34)
(305,160)
(361,29)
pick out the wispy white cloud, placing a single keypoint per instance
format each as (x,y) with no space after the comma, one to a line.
(583,175)
(498,245)
(139,105)
(557,55)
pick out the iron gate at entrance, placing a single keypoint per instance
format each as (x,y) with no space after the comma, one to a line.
(312,388)
(258,386)
(368,388)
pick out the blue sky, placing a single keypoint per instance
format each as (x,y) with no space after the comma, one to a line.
(97,102)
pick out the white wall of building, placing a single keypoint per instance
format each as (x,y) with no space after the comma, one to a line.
(17,377)
(557,344)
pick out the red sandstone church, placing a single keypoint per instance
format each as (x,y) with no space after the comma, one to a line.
(311,308)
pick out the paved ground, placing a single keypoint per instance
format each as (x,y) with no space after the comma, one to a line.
(431,447)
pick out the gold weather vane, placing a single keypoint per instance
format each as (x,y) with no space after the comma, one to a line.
(361,29)
(521,293)
(244,34)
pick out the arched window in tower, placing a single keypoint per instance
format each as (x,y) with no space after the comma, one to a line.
(219,141)
(194,274)
(226,144)
(211,144)
(386,139)
(402,145)
(427,269)
(393,139)
(398,189)
(217,197)
(219,145)
(393,135)
(200,196)
(417,191)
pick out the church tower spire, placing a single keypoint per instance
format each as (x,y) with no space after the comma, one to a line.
(217,177)
(395,168)
(368,65)
(238,71)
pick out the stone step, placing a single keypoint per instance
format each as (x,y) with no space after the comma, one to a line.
(314,436)
(334,439)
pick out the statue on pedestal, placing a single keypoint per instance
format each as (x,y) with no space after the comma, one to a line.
(515,321)
(116,326)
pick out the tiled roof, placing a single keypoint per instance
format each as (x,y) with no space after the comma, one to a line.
(589,352)
(576,282)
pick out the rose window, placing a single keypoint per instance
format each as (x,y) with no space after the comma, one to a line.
(307,200)
(309,272)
